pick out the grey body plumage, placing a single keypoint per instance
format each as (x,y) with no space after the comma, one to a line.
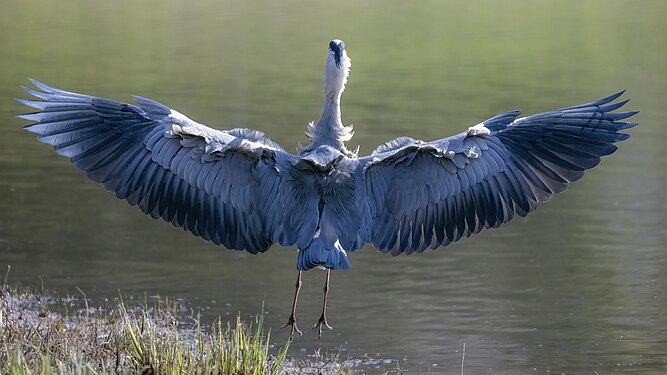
(242,190)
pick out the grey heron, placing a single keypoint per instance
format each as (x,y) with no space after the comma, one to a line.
(242,190)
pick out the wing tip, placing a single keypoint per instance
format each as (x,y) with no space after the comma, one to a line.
(31,128)
(607,99)
(30,116)
(620,137)
(30,103)
(614,106)
(42,86)
(613,97)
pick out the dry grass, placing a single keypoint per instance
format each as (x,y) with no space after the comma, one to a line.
(116,339)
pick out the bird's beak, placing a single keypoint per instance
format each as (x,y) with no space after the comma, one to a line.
(337,47)
(337,56)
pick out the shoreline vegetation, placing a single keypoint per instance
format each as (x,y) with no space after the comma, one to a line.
(43,334)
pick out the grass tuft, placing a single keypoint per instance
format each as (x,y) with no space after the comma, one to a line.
(230,349)
(113,340)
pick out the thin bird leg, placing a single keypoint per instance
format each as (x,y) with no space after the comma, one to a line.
(323,318)
(291,321)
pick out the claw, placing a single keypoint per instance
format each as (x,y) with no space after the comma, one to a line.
(291,322)
(322,322)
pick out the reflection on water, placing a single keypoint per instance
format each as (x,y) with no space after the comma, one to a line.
(576,287)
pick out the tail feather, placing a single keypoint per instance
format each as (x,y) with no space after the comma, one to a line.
(321,254)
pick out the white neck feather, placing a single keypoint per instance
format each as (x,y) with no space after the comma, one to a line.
(329,129)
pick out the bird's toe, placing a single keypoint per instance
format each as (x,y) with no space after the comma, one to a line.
(322,322)
(291,322)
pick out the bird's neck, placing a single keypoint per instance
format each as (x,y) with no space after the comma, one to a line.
(329,129)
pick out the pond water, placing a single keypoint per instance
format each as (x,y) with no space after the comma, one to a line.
(576,287)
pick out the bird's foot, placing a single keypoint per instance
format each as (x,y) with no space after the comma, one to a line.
(322,322)
(291,322)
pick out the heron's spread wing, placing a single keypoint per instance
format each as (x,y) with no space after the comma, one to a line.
(429,194)
(215,184)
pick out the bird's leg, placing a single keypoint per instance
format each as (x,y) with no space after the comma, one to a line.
(291,321)
(323,318)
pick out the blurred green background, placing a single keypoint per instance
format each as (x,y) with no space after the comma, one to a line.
(577,287)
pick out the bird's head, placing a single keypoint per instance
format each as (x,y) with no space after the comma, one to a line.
(337,67)
(337,50)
